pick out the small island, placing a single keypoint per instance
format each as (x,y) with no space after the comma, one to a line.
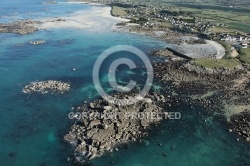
(50,86)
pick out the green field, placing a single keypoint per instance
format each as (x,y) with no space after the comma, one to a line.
(244,27)
(216,63)
(245,55)
(118,11)
(234,18)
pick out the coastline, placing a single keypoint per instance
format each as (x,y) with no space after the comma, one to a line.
(98,136)
(97,18)
(180,74)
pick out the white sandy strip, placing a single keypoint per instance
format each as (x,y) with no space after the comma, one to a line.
(75,2)
(96,18)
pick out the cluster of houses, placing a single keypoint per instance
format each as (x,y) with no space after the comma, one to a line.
(237,40)
(196,25)
(228,37)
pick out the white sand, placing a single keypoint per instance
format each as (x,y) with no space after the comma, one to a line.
(96,18)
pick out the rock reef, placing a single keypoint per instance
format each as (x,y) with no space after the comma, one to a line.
(49,86)
(22,27)
(37,42)
(49,2)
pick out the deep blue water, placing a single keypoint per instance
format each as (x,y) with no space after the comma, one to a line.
(32,126)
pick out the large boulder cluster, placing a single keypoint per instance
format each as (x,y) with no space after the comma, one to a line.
(241,125)
(46,87)
(105,126)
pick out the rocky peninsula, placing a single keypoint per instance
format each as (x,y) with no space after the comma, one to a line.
(50,86)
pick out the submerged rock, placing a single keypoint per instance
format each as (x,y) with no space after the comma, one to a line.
(37,42)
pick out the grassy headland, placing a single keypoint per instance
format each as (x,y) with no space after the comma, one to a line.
(245,55)
(216,63)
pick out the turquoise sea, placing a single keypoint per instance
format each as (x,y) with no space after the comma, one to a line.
(32,126)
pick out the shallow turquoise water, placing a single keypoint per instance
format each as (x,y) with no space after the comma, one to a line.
(34,9)
(32,126)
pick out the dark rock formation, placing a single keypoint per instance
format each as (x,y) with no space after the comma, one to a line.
(241,125)
(104,126)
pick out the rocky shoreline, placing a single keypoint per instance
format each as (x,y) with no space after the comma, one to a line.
(93,137)
(241,125)
(227,90)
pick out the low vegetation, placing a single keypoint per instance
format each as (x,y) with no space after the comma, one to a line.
(227,47)
(244,55)
(118,11)
(216,63)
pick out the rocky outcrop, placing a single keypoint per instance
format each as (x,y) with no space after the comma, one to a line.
(22,27)
(49,86)
(241,125)
(50,2)
(162,53)
(104,126)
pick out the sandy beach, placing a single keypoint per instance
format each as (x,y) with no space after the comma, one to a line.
(98,17)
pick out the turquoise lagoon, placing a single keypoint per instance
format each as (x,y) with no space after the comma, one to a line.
(32,126)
